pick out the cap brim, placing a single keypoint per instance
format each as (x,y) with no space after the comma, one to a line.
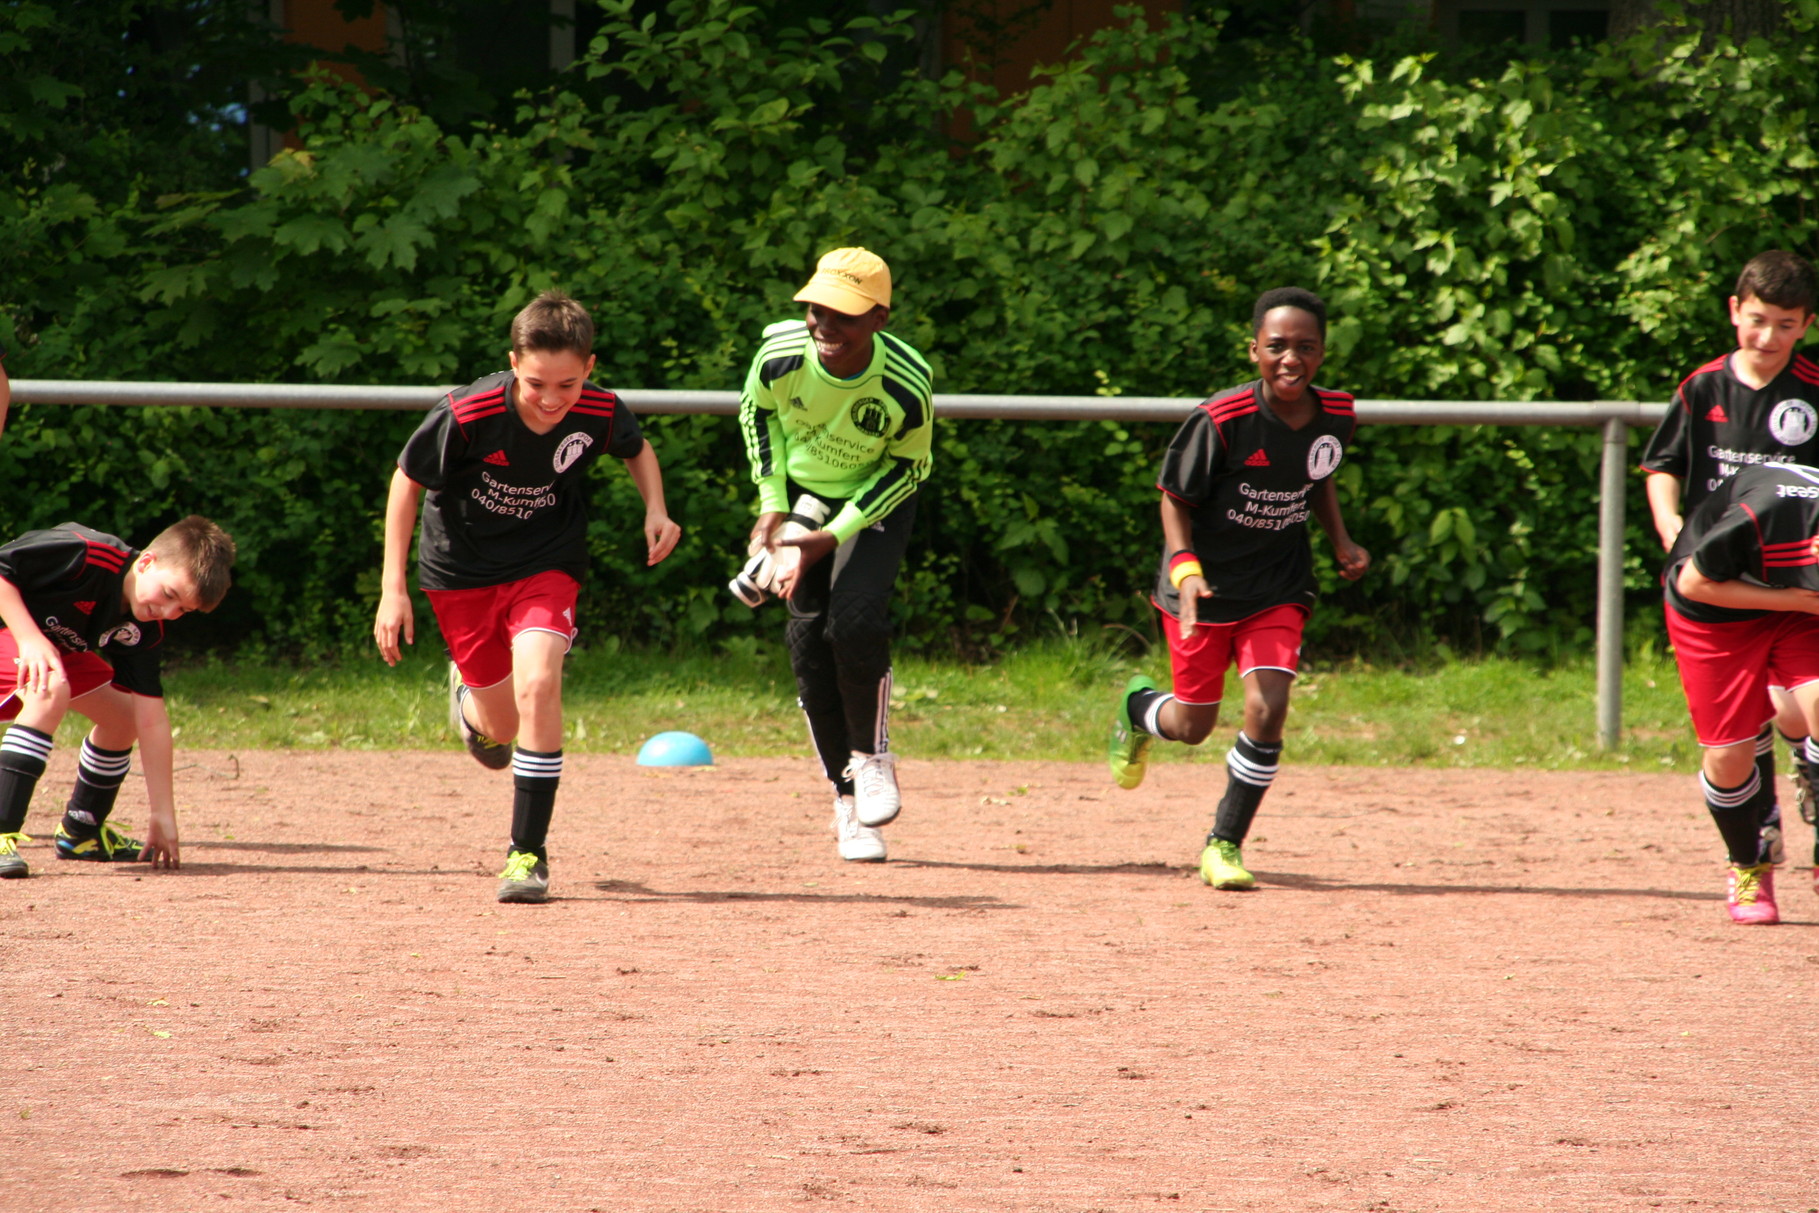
(841,298)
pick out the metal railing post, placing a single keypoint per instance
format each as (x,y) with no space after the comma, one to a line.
(1612,488)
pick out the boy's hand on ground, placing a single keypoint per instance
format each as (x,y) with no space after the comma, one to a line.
(811,547)
(161,848)
(1192,591)
(40,666)
(395,617)
(1353,561)
(661,536)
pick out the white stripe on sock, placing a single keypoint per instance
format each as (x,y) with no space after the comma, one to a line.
(106,766)
(1152,719)
(537,766)
(22,739)
(1247,770)
(1733,798)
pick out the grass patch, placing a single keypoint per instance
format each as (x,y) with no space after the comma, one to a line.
(1049,701)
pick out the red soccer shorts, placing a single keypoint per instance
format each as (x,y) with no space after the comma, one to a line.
(1268,640)
(1726,669)
(85,671)
(480,625)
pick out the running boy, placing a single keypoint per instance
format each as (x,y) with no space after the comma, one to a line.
(504,461)
(84,617)
(1236,580)
(839,429)
(1752,406)
(1742,586)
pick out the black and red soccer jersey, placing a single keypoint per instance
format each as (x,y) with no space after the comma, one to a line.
(505,503)
(73,581)
(1756,527)
(1248,478)
(1717,424)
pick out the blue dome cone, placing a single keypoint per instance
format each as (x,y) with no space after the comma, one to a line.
(675,750)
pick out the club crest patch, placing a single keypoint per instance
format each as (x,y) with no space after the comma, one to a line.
(1323,457)
(870,416)
(1793,422)
(570,450)
(127,634)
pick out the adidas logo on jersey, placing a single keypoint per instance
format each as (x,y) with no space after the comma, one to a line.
(1716,413)
(1258,460)
(498,459)
(87,608)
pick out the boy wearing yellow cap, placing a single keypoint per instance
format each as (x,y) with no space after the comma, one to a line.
(839,428)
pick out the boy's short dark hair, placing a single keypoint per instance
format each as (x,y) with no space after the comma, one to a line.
(553,322)
(201,549)
(1288,296)
(1781,279)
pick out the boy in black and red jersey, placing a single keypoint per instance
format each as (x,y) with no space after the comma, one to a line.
(1742,586)
(1236,581)
(84,617)
(504,463)
(1758,404)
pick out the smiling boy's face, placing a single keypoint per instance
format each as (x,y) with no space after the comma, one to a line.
(1288,351)
(1767,334)
(549,383)
(157,589)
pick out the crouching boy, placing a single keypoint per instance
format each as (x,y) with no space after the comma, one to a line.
(84,617)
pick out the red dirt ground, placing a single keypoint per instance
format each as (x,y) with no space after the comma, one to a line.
(1454,990)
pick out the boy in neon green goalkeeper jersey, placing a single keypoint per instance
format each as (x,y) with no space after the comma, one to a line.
(838,426)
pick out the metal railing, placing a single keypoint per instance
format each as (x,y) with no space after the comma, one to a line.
(1613,418)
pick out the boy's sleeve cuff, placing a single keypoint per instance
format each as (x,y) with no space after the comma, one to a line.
(847,523)
(773,496)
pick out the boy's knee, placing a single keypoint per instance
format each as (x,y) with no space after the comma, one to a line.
(1730,766)
(1196,731)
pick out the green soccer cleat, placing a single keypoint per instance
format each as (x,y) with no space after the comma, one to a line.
(1128,750)
(107,846)
(525,879)
(1222,866)
(11,866)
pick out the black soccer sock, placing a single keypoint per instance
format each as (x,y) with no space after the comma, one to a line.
(99,774)
(22,757)
(1250,768)
(534,778)
(1765,769)
(1735,811)
(1145,708)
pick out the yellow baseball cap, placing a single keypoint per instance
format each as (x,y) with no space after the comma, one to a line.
(849,280)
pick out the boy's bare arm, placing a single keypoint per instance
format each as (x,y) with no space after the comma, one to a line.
(1178,536)
(395,615)
(1664,503)
(40,664)
(154,728)
(1353,560)
(1741,595)
(660,533)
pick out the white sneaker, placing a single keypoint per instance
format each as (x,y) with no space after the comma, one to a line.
(875,791)
(858,844)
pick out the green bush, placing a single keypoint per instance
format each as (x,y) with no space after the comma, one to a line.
(1563,229)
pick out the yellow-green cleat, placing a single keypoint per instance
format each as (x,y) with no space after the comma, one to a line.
(106,845)
(1127,752)
(12,867)
(1222,866)
(525,879)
